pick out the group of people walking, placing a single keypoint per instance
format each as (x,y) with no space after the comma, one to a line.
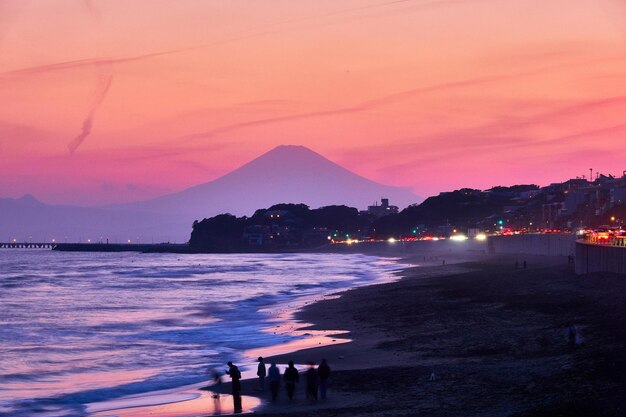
(316,380)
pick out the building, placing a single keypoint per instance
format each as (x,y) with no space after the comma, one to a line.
(383,210)
(618,196)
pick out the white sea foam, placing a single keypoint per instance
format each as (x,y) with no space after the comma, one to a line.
(76,328)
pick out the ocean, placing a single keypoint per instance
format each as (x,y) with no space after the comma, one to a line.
(79,328)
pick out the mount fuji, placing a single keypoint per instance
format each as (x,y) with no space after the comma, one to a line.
(285,174)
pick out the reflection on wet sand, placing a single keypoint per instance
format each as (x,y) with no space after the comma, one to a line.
(300,335)
(188,403)
(313,339)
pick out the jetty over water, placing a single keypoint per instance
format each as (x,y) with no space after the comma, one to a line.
(123,247)
(100,247)
(27,245)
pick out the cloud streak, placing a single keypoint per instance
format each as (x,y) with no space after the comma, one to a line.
(105,79)
(579,146)
(235,37)
(375,103)
(81,63)
(92,9)
(494,138)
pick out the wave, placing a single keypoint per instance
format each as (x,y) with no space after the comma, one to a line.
(82,328)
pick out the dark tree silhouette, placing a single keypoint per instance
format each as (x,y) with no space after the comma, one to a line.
(222,233)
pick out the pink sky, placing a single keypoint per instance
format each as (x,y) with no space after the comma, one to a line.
(429,94)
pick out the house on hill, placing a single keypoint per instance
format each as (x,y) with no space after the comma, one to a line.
(384,209)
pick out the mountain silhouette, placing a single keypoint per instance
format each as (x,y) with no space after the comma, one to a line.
(285,174)
(28,219)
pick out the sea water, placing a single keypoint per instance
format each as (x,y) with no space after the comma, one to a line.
(77,328)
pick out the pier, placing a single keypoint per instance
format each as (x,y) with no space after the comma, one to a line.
(100,247)
(123,247)
(27,245)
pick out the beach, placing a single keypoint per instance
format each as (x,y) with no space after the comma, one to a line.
(478,336)
(494,338)
(132,331)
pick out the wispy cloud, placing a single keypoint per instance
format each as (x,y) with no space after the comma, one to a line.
(104,83)
(151,153)
(505,136)
(575,144)
(575,138)
(377,102)
(273,120)
(92,9)
(234,37)
(79,63)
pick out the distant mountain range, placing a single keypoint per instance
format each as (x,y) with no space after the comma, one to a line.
(286,174)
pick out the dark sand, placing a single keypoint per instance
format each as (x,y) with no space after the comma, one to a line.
(495,337)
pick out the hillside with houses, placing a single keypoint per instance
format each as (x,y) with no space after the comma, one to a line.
(566,206)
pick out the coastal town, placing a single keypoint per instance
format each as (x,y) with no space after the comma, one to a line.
(577,206)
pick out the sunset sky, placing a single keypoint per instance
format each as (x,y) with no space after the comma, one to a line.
(112,101)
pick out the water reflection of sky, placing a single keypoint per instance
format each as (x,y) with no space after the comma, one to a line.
(78,328)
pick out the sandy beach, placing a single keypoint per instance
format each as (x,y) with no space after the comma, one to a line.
(475,337)
(495,338)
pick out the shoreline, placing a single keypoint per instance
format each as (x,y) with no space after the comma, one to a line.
(191,400)
(493,336)
(495,339)
(317,317)
(358,347)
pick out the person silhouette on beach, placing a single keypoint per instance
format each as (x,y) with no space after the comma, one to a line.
(261,373)
(311,382)
(323,371)
(291,377)
(571,336)
(217,384)
(273,375)
(235,376)
(216,389)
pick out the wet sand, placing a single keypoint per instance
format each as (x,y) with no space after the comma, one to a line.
(495,338)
